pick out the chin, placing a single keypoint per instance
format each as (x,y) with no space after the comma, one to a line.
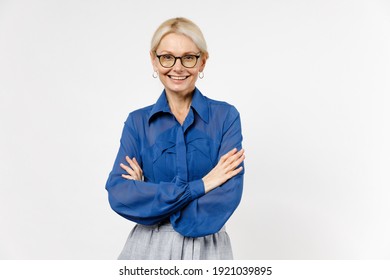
(180,88)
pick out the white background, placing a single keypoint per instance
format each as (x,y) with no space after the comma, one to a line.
(310,78)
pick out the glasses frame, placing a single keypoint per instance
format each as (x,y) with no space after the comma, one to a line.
(197,56)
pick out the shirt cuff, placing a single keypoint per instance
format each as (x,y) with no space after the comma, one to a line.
(196,188)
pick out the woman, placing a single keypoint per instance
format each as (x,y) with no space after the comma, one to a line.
(179,170)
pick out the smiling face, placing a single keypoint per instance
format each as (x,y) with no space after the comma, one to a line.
(178,79)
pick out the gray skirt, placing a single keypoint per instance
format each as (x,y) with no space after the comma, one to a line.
(162,242)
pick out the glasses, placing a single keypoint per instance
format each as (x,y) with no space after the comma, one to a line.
(168,60)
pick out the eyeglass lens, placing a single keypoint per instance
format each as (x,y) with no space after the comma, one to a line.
(168,60)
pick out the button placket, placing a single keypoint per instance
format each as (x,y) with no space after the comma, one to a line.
(181,155)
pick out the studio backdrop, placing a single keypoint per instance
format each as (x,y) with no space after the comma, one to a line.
(310,79)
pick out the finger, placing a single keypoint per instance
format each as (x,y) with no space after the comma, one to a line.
(139,169)
(127,169)
(136,162)
(128,177)
(238,154)
(239,160)
(141,172)
(228,154)
(233,158)
(233,165)
(129,160)
(235,172)
(136,171)
(132,164)
(226,158)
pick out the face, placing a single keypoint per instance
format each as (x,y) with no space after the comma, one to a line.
(178,79)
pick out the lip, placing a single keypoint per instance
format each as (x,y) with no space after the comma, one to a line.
(177,78)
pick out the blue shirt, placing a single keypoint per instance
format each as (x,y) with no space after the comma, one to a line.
(174,158)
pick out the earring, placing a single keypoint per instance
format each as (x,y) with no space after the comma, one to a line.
(155,74)
(201,75)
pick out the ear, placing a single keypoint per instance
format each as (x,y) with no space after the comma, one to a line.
(202,63)
(153,60)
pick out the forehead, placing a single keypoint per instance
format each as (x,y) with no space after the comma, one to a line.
(174,42)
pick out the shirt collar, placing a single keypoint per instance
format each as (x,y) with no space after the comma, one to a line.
(199,104)
(160,106)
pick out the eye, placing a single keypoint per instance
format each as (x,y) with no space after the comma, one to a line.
(167,57)
(189,57)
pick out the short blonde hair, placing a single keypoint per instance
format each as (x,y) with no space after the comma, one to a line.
(183,26)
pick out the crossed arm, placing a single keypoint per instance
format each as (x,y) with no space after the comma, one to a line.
(227,167)
(195,208)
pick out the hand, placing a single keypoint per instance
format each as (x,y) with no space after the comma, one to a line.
(134,171)
(224,170)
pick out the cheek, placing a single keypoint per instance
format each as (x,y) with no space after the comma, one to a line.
(193,72)
(163,71)
(167,71)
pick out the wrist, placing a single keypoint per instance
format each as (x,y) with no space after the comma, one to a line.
(208,186)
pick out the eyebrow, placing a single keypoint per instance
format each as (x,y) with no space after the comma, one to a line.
(185,53)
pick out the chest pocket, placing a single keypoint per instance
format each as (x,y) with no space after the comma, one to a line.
(200,157)
(164,161)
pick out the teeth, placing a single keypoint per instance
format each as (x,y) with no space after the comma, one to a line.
(178,78)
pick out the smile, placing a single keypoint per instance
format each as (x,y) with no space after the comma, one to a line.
(178,77)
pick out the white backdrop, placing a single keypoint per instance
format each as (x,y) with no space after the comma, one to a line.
(310,78)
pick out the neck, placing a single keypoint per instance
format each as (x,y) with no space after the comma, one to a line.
(179,105)
(179,101)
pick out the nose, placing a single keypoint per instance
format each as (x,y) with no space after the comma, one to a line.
(178,67)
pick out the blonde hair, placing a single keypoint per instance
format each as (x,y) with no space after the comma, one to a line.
(183,26)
